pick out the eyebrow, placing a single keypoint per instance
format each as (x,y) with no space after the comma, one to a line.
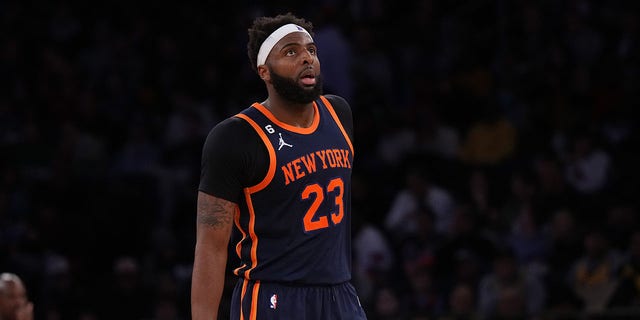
(288,44)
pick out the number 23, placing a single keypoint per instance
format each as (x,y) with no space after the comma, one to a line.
(313,222)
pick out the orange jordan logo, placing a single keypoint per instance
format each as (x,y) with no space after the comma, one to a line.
(281,142)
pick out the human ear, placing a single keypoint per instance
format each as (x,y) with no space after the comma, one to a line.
(263,72)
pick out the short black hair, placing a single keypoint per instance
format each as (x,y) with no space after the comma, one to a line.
(263,26)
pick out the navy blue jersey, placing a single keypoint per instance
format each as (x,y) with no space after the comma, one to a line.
(295,223)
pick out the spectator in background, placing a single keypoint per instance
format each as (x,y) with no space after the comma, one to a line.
(126,290)
(565,246)
(433,135)
(373,259)
(387,304)
(490,140)
(552,189)
(466,270)
(425,241)
(465,253)
(423,295)
(587,166)
(594,275)
(507,291)
(419,191)
(461,304)
(511,305)
(526,218)
(520,200)
(529,242)
(14,301)
(627,294)
(61,296)
(481,195)
(621,221)
(397,140)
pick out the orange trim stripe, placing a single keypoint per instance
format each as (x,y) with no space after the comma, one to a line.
(272,155)
(252,233)
(337,120)
(254,301)
(308,130)
(244,291)
(256,188)
(236,220)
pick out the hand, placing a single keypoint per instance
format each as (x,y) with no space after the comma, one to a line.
(25,312)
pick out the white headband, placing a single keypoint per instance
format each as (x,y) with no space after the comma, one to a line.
(273,38)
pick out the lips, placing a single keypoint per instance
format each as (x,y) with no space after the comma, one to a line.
(308,77)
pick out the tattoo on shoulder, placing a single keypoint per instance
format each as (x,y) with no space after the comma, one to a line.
(215,212)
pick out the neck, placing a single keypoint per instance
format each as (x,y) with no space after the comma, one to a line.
(297,115)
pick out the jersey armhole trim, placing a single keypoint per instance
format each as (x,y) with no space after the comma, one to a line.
(248,191)
(337,120)
(272,155)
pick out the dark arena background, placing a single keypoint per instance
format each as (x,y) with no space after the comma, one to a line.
(496,151)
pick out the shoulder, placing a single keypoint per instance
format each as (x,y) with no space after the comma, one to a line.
(340,104)
(343,111)
(342,108)
(230,130)
(233,125)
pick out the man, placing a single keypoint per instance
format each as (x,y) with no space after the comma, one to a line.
(280,170)
(14,304)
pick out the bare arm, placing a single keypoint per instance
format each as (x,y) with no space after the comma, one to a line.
(213,230)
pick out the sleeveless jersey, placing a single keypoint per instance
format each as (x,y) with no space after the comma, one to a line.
(296,223)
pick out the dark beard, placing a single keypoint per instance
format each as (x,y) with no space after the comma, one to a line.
(290,90)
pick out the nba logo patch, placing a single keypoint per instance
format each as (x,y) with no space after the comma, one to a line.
(274,301)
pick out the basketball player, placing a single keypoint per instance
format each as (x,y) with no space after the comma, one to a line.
(280,171)
(14,303)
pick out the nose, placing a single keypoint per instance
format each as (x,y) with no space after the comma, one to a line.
(308,57)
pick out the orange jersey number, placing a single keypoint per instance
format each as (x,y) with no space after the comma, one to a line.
(313,222)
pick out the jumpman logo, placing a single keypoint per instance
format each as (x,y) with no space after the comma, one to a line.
(281,142)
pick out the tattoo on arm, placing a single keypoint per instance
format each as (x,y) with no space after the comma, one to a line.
(215,212)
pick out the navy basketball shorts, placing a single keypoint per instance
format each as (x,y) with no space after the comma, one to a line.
(256,300)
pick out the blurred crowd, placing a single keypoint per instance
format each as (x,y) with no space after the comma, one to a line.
(496,172)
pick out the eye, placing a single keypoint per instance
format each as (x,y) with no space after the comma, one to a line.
(312,50)
(290,52)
